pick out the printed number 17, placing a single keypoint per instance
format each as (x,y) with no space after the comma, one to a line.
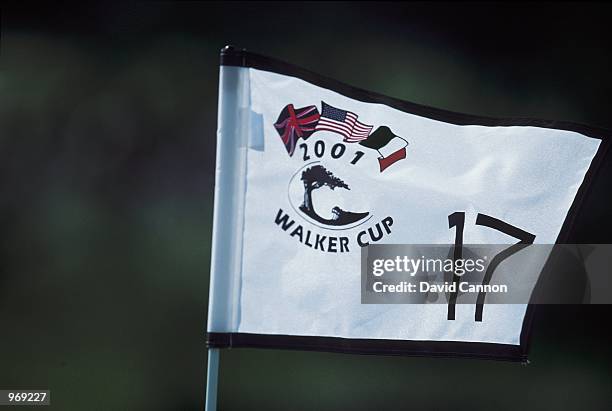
(457,220)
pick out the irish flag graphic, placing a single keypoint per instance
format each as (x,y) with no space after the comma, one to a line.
(390,147)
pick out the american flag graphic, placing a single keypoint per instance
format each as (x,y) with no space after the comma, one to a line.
(295,123)
(342,122)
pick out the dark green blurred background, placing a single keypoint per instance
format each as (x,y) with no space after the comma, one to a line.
(107,142)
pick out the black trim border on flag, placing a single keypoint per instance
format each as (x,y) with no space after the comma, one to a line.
(506,352)
(231,56)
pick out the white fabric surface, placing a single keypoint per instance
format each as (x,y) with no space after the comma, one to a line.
(526,176)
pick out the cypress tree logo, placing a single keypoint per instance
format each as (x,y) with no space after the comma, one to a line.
(316,177)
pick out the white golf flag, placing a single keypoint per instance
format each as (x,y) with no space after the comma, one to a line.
(310,170)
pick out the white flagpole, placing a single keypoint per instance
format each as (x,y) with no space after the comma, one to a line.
(227,220)
(212,376)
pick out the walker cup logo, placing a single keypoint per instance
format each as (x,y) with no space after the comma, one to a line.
(329,189)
